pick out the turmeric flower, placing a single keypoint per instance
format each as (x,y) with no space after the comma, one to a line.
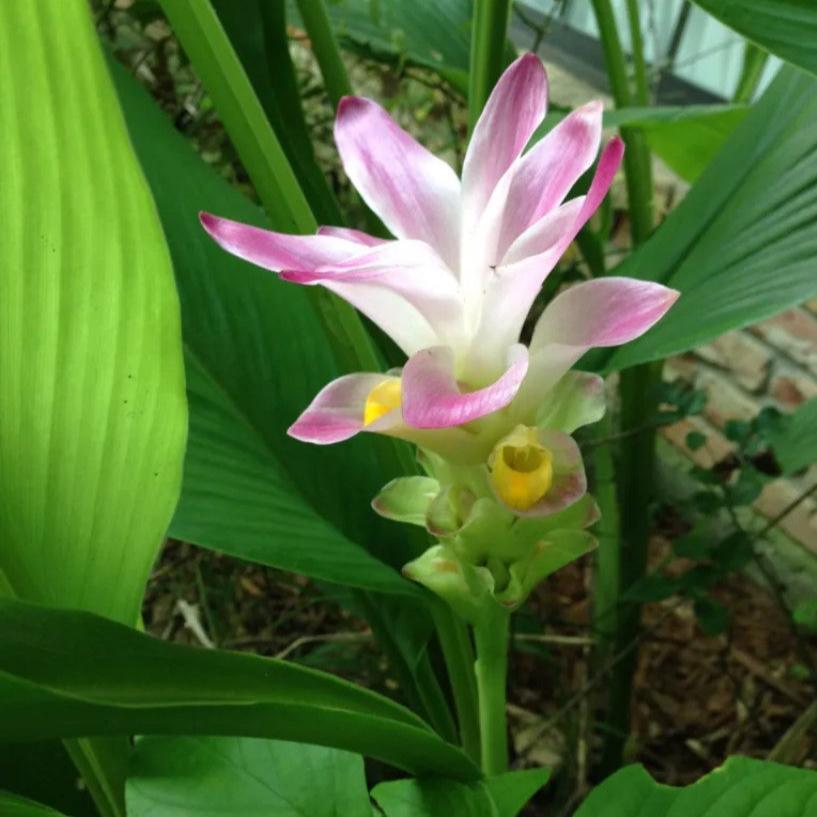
(455,285)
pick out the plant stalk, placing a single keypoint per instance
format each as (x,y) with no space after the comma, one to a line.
(325,48)
(634,484)
(754,62)
(637,160)
(491,637)
(489,34)
(608,558)
(626,564)
(640,75)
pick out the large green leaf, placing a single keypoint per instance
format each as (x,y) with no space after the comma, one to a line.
(258,33)
(244,777)
(685,137)
(740,788)
(433,797)
(203,37)
(69,674)
(741,246)
(510,791)
(12,805)
(91,379)
(787,28)
(432,35)
(256,355)
(502,796)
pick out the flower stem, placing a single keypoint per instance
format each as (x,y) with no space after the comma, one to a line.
(617,621)
(325,48)
(489,34)
(491,669)
(754,63)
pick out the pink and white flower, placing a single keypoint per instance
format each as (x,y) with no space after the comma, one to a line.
(469,256)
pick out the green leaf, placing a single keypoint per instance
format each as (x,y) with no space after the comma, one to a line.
(91,379)
(258,33)
(433,797)
(201,34)
(249,489)
(430,35)
(510,791)
(407,499)
(787,28)
(653,587)
(12,805)
(734,552)
(805,614)
(695,440)
(740,246)
(712,615)
(747,488)
(740,788)
(244,777)
(53,683)
(794,442)
(738,431)
(698,543)
(689,141)
(685,137)
(199,31)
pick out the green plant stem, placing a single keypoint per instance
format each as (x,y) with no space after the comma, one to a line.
(754,62)
(635,484)
(640,77)
(638,405)
(459,660)
(488,36)
(607,557)
(491,637)
(637,160)
(325,47)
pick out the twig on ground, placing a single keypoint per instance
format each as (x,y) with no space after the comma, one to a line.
(788,747)
(190,614)
(315,639)
(561,640)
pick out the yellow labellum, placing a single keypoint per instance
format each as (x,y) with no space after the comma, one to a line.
(382,399)
(521,469)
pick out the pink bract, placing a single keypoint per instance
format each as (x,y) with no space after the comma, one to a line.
(453,288)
